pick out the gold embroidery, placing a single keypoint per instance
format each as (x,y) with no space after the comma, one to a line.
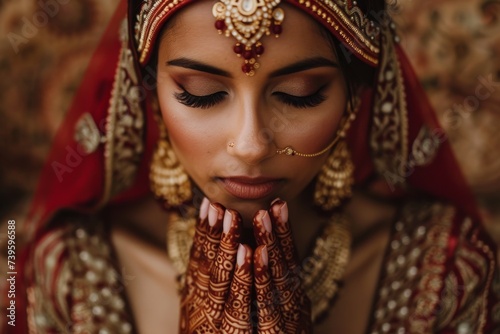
(77,289)
(487,252)
(424,147)
(415,261)
(364,31)
(425,288)
(449,299)
(151,17)
(472,267)
(124,126)
(87,134)
(389,133)
(48,316)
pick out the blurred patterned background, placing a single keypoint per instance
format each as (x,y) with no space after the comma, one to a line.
(453,44)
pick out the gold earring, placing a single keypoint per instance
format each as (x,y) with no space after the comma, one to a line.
(335,180)
(167,178)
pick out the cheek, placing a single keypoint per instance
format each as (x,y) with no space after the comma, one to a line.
(313,132)
(191,132)
(185,134)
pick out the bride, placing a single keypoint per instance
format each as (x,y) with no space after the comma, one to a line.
(255,166)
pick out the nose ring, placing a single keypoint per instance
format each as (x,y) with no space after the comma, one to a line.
(231,144)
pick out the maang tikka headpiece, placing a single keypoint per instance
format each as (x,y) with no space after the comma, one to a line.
(247,21)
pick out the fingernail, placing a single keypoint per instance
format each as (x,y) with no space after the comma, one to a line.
(284,213)
(266,221)
(240,256)
(275,200)
(264,256)
(213,214)
(228,217)
(204,208)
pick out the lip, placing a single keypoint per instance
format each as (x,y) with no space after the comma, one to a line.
(244,187)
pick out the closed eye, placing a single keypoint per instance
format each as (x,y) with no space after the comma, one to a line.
(197,101)
(302,102)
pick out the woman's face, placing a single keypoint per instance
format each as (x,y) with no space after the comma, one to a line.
(225,127)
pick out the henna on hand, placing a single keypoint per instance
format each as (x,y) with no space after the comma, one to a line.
(194,317)
(285,282)
(217,294)
(279,217)
(269,315)
(222,274)
(223,268)
(236,318)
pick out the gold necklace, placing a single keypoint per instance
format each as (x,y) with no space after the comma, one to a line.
(321,273)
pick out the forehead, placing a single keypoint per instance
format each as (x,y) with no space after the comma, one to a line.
(192,33)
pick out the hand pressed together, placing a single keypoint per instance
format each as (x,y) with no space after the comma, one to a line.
(231,288)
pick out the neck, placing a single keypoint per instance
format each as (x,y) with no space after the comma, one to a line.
(306,220)
(366,216)
(144,219)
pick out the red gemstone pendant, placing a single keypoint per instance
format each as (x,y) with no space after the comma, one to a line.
(248,21)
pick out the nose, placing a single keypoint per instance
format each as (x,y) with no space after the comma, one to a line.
(252,142)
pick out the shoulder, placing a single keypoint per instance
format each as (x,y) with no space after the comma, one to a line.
(74,279)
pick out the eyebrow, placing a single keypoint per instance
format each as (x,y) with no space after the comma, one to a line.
(303,65)
(299,66)
(198,66)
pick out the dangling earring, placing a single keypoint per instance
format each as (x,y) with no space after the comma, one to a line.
(335,180)
(168,179)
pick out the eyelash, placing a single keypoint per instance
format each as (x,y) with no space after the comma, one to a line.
(301,102)
(202,102)
(208,101)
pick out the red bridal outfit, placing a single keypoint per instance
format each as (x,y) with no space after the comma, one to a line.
(439,270)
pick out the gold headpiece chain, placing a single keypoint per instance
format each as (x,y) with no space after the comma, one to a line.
(341,133)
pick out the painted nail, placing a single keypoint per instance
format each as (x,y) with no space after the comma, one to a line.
(275,200)
(213,215)
(284,213)
(266,221)
(228,217)
(204,208)
(240,256)
(264,256)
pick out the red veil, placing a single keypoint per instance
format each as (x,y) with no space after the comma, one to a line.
(396,133)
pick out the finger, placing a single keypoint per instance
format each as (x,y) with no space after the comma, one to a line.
(198,241)
(188,302)
(294,305)
(209,249)
(268,310)
(212,240)
(223,268)
(236,317)
(287,286)
(279,215)
(277,266)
